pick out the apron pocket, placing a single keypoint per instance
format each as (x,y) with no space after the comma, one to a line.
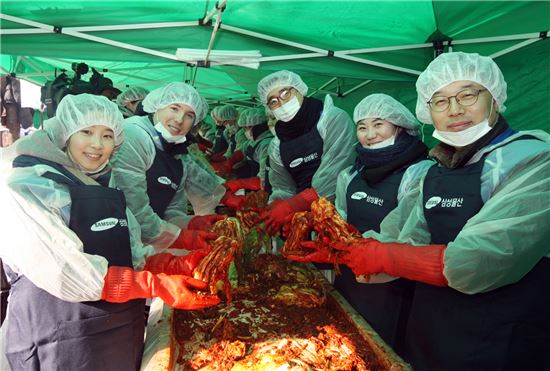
(110,342)
(23,360)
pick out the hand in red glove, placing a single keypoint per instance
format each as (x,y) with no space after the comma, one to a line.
(251,184)
(275,216)
(171,264)
(320,254)
(193,240)
(204,222)
(233,201)
(218,157)
(418,263)
(237,156)
(123,284)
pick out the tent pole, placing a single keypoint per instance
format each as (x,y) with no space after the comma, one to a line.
(356,87)
(514,47)
(90,37)
(322,86)
(377,64)
(122,27)
(33,66)
(291,56)
(274,39)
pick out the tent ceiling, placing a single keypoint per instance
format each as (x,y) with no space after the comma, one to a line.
(389,42)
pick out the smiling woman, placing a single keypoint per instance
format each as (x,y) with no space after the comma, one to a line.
(91,147)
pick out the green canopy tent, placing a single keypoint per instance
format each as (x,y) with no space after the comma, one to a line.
(348,49)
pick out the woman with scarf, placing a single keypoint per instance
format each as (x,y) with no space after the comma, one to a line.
(476,241)
(157,175)
(310,150)
(388,166)
(73,252)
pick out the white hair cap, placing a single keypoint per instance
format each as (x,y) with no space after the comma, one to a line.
(204,111)
(227,113)
(131,95)
(175,93)
(252,117)
(280,79)
(214,111)
(387,108)
(458,66)
(77,112)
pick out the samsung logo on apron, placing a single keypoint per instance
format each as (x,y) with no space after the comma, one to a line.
(444,202)
(108,223)
(370,199)
(166,181)
(298,161)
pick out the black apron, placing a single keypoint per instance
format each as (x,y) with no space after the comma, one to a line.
(503,329)
(163,179)
(384,306)
(301,157)
(47,333)
(248,167)
(220,143)
(267,184)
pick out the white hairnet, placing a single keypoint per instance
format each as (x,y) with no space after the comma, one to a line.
(204,111)
(227,113)
(451,67)
(214,112)
(280,79)
(252,117)
(385,107)
(76,112)
(131,95)
(175,93)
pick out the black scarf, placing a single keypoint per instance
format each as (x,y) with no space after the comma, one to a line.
(452,157)
(259,130)
(377,164)
(306,118)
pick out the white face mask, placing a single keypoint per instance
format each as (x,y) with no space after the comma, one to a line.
(464,137)
(176,139)
(288,110)
(385,143)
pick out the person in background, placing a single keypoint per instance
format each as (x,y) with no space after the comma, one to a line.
(310,150)
(225,118)
(157,177)
(390,161)
(254,123)
(476,241)
(75,257)
(130,100)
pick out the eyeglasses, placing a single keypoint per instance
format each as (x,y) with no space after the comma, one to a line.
(465,98)
(277,101)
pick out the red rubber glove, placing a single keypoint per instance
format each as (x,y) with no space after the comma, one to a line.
(417,263)
(193,240)
(276,214)
(233,201)
(123,284)
(171,264)
(218,157)
(320,254)
(250,184)
(204,222)
(237,156)
(202,147)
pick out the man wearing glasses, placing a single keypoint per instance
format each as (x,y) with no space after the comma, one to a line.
(476,239)
(313,143)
